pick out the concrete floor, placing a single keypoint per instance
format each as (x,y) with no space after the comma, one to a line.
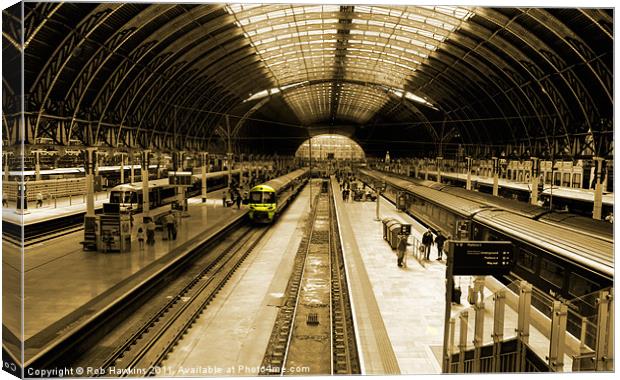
(60,278)
(230,338)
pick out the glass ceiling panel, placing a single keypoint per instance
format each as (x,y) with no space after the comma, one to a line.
(379,45)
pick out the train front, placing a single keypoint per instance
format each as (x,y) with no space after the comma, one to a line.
(127,197)
(262,204)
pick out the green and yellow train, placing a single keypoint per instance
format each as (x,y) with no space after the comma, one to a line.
(267,200)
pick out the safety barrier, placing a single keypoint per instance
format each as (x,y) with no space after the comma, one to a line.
(524,339)
(49,189)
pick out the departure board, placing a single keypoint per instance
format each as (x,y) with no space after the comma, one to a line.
(477,258)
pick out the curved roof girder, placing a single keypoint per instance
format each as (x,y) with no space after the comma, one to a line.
(464,93)
(602,20)
(509,81)
(577,45)
(149,77)
(416,111)
(475,65)
(155,40)
(553,59)
(48,77)
(466,71)
(471,127)
(83,80)
(498,62)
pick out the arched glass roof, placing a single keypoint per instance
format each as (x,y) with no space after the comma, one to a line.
(335,45)
(330,146)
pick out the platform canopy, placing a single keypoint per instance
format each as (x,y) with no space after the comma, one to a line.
(413,78)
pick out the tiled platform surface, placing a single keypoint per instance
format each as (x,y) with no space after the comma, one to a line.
(412,299)
(60,279)
(52,209)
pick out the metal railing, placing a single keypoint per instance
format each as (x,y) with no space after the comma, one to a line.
(552,336)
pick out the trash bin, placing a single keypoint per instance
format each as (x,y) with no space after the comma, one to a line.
(385,228)
(394,230)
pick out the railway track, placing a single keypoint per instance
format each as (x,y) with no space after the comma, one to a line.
(142,351)
(314,333)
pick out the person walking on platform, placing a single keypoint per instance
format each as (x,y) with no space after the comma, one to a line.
(5,200)
(402,248)
(238,200)
(224,198)
(169,222)
(439,240)
(39,199)
(150,232)
(140,236)
(427,240)
(175,227)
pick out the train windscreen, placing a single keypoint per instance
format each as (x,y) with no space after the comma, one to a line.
(123,197)
(260,197)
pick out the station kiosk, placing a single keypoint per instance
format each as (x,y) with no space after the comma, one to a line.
(113,229)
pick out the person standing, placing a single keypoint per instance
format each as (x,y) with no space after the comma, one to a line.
(140,236)
(5,199)
(439,240)
(169,223)
(39,199)
(224,198)
(175,226)
(402,248)
(238,200)
(150,232)
(427,240)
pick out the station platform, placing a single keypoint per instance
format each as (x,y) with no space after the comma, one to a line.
(411,300)
(52,209)
(64,285)
(584,195)
(216,347)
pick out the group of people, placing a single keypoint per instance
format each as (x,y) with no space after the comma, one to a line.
(428,241)
(169,224)
(235,197)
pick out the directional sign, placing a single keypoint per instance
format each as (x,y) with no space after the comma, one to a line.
(481,257)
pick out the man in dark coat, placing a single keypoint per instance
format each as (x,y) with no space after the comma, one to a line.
(427,240)
(402,248)
(439,240)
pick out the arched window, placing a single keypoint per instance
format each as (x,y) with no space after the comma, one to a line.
(334,147)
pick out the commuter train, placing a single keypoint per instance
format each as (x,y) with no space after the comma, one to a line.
(267,200)
(564,264)
(161,193)
(569,221)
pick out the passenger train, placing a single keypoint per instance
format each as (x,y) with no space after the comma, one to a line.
(569,221)
(266,200)
(564,264)
(129,195)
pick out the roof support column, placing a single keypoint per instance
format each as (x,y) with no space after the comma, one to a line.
(229,153)
(598,190)
(145,182)
(90,229)
(468,183)
(203,170)
(534,178)
(495,176)
(90,189)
